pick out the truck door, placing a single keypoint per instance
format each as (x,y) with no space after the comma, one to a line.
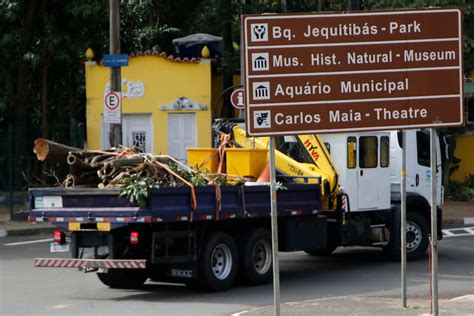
(373,172)
(418,164)
(364,168)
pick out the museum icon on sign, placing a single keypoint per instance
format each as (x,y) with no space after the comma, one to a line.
(261,90)
(259,61)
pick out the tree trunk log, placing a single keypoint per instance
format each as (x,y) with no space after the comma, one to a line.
(47,150)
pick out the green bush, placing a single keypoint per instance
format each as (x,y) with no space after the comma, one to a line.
(463,191)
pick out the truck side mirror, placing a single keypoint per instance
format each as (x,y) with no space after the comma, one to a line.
(447,147)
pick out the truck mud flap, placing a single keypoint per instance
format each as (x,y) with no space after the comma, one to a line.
(89,263)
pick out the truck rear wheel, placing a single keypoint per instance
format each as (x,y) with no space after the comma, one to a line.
(218,262)
(123,278)
(256,257)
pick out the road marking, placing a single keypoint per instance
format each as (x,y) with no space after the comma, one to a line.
(60,306)
(28,242)
(458,232)
(249,310)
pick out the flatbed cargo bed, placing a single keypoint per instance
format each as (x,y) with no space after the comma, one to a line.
(61,206)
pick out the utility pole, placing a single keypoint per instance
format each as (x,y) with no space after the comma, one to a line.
(115,73)
(403,220)
(434,228)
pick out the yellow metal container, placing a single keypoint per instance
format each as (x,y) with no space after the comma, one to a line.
(207,157)
(244,162)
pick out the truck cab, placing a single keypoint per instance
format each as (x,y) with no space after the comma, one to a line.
(370,165)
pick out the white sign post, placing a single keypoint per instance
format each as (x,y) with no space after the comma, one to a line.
(113,107)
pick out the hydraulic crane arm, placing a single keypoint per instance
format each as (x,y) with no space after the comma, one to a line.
(304,157)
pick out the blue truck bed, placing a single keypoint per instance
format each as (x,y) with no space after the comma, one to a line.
(61,206)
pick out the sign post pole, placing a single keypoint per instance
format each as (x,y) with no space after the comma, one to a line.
(115,72)
(274,219)
(434,228)
(403,219)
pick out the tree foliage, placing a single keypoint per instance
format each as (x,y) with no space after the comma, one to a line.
(42,44)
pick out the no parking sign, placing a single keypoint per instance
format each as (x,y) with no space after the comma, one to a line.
(112,107)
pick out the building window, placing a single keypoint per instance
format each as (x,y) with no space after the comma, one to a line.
(351,152)
(139,141)
(384,151)
(368,152)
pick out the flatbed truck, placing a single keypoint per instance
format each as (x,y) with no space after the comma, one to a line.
(341,190)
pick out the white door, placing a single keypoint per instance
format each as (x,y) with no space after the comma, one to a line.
(368,194)
(137,132)
(418,164)
(182,134)
(374,172)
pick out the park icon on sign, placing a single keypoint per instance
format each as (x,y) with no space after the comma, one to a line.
(261,119)
(259,61)
(261,90)
(259,32)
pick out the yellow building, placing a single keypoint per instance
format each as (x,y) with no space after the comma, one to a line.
(167,104)
(464,149)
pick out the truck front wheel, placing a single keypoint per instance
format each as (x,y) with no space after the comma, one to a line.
(417,231)
(256,257)
(123,278)
(417,235)
(218,262)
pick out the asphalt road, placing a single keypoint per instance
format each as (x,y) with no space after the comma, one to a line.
(25,290)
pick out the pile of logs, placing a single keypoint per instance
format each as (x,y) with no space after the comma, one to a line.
(106,168)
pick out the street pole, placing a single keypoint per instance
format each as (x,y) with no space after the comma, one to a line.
(242,3)
(115,73)
(274,219)
(403,219)
(434,228)
(10,170)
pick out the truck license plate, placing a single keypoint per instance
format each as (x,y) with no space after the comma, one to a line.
(58,247)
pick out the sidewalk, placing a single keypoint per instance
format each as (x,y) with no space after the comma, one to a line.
(355,306)
(455,214)
(21,227)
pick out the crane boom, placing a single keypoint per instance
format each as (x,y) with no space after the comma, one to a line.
(304,158)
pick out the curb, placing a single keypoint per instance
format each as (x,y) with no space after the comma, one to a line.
(453,221)
(26,231)
(31,231)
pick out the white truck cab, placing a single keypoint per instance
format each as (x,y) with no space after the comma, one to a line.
(369,164)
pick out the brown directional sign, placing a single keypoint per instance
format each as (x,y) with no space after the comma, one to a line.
(307,73)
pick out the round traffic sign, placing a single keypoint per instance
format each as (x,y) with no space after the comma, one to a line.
(112,100)
(237,98)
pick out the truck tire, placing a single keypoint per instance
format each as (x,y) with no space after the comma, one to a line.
(417,231)
(123,278)
(256,257)
(218,262)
